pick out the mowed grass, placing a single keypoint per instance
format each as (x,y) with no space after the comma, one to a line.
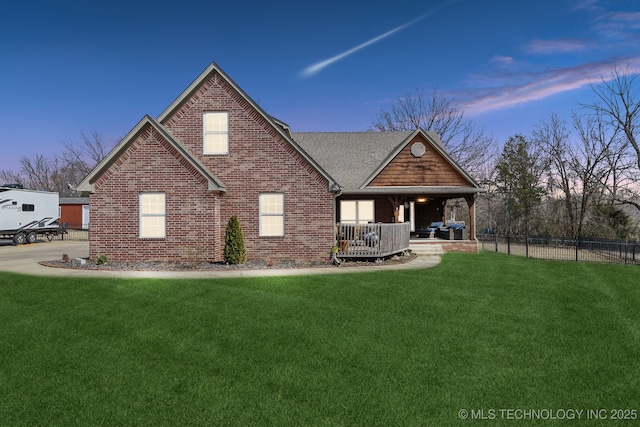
(409,347)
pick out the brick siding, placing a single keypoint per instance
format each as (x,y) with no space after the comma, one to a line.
(259,160)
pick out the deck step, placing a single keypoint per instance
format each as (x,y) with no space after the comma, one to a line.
(431,249)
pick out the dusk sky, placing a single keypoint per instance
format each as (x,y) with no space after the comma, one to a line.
(72,66)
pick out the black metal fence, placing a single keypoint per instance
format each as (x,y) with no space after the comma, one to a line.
(72,232)
(582,249)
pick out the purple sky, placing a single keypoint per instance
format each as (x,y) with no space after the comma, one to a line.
(72,66)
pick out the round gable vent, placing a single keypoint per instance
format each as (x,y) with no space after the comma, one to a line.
(418,149)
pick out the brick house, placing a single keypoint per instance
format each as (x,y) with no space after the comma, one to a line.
(167,190)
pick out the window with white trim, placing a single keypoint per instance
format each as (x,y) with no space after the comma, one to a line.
(272,214)
(357,211)
(216,132)
(152,215)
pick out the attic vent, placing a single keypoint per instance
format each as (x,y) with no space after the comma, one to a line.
(418,149)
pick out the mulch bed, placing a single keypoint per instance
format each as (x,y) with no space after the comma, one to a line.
(220,266)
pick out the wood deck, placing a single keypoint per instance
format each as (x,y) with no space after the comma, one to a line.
(372,240)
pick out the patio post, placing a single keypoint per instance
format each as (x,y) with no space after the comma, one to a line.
(471,199)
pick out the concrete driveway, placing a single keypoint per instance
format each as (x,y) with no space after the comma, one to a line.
(24,259)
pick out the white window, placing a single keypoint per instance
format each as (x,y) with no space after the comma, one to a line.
(216,132)
(152,215)
(357,211)
(272,214)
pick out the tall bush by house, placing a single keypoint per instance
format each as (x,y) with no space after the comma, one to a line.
(234,250)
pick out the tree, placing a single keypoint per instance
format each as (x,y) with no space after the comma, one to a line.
(83,156)
(59,173)
(489,204)
(434,112)
(553,136)
(234,250)
(618,99)
(577,168)
(519,179)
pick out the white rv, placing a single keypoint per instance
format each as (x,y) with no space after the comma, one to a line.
(26,213)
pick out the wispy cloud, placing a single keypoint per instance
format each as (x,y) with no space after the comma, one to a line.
(538,46)
(509,82)
(502,60)
(538,86)
(619,25)
(319,66)
(585,5)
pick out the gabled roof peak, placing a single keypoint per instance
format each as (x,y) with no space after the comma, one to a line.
(281,127)
(88,182)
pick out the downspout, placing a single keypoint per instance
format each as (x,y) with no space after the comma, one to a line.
(337,192)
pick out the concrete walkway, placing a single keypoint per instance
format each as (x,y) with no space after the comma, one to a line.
(24,259)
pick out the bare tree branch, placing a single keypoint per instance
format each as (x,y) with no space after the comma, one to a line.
(432,111)
(619,101)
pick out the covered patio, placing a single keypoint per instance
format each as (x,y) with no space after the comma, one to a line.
(413,213)
(404,179)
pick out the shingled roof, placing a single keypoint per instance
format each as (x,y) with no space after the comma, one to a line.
(354,158)
(350,157)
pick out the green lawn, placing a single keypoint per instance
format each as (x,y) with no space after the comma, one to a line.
(482,331)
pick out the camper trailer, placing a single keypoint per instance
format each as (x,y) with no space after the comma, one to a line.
(24,214)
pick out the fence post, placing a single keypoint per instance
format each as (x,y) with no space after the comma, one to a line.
(508,244)
(577,243)
(526,246)
(496,234)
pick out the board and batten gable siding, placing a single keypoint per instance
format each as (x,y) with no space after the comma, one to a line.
(260,160)
(151,164)
(432,169)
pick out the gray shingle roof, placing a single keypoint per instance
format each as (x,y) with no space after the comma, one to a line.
(350,157)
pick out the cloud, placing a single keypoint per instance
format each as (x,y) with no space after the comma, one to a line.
(502,60)
(556,46)
(319,66)
(538,86)
(586,5)
(616,34)
(619,25)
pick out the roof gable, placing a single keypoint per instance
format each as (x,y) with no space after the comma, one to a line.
(88,182)
(281,128)
(420,160)
(356,159)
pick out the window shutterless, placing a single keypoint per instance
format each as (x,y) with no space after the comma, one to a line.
(152,215)
(216,132)
(271,214)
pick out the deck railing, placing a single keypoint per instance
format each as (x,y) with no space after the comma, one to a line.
(372,240)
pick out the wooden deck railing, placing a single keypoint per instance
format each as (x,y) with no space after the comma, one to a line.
(372,240)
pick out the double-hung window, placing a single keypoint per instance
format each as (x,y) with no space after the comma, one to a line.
(152,215)
(216,132)
(272,214)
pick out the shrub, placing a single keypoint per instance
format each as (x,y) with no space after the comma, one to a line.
(102,259)
(234,250)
